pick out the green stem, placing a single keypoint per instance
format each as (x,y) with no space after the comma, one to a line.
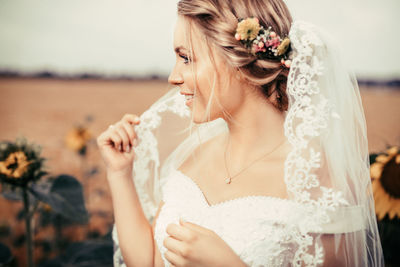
(58,229)
(85,180)
(29,244)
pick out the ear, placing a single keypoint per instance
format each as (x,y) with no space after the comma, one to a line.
(239,75)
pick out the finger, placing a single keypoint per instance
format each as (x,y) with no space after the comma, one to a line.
(131,119)
(115,139)
(125,138)
(194,227)
(173,245)
(179,232)
(131,132)
(103,139)
(174,259)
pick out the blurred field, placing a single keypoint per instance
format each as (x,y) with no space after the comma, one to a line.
(44,110)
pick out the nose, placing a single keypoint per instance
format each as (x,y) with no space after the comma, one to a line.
(175,78)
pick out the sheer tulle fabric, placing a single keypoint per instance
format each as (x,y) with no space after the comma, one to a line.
(327,171)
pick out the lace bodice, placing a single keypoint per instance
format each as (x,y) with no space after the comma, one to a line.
(257,228)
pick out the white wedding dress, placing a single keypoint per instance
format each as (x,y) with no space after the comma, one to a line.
(260,229)
(257,228)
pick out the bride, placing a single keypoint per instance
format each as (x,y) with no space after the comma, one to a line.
(258,155)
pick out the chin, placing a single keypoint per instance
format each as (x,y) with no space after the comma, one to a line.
(200,121)
(199,117)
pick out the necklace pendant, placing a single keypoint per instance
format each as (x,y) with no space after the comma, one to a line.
(228,180)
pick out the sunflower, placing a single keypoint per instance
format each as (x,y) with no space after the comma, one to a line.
(15,165)
(248,29)
(20,162)
(77,138)
(385,174)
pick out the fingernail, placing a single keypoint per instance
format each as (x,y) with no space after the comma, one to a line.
(135,142)
(128,149)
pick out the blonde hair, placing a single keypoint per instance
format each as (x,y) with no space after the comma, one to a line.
(217,20)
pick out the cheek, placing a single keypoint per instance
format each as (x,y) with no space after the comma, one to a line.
(201,85)
(204,83)
(204,86)
(225,98)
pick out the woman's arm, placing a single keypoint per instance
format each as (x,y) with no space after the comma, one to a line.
(134,231)
(117,147)
(158,261)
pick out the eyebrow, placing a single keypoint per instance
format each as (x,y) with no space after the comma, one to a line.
(179,49)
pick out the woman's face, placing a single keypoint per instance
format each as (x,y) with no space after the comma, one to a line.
(197,75)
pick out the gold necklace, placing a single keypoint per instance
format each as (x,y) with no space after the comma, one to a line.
(228,180)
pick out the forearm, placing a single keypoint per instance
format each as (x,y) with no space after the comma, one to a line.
(134,231)
(235,261)
(239,263)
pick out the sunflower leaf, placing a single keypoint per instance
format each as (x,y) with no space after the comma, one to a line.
(65,196)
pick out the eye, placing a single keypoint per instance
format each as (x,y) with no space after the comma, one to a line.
(185,58)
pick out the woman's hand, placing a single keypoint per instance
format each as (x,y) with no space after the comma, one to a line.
(190,244)
(116,144)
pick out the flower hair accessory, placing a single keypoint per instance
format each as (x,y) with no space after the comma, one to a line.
(264,43)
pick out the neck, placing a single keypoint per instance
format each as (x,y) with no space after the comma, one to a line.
(254,129)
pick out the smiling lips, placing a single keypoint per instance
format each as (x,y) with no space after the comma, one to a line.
(189,97)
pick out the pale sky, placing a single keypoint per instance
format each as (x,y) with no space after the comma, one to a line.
(134,38)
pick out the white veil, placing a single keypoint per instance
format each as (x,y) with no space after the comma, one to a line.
(327,171)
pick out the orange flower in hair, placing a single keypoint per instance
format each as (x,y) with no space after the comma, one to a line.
(247,29)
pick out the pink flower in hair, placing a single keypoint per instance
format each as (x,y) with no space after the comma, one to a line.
(256,48)
(274,43)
